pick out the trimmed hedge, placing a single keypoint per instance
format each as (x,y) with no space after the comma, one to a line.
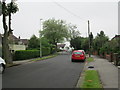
(29,54)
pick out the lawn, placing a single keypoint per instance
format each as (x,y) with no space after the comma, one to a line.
(91,80)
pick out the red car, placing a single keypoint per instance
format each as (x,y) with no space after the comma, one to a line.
(78,55)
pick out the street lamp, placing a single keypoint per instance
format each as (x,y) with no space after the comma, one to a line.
(40,38)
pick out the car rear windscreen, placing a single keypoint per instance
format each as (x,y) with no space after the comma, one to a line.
(78,53)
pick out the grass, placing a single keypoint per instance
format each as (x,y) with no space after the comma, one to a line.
(37,59)
(91,80)
(46,57)
(90,59)
(10,65)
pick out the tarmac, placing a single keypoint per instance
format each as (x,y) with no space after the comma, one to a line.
(108,72)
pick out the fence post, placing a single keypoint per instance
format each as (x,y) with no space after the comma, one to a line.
(116,59)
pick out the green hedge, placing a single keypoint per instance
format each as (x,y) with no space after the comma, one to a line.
(29,54)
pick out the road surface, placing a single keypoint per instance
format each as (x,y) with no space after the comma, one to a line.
(57,72)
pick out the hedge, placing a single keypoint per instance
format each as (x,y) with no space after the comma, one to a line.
(29,54)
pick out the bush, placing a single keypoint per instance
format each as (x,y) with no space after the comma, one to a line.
(26,54)
(45,51)
(29,54)
(53,50)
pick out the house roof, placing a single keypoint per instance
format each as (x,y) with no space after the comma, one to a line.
(116,36)
(15,39)
(24,41)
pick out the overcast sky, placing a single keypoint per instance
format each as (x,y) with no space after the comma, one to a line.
(102,16)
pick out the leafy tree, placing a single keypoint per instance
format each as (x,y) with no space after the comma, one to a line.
(99,41)
(85,44)
(33,43)
(73,31)
(55,31)
(11,8)
(76,43)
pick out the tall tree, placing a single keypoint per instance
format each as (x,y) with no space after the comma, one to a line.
(73,31)
(6,51)
(12,8)
(76,43)
(55,31)
(100,40)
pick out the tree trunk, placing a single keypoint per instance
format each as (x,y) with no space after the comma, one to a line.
(6,52)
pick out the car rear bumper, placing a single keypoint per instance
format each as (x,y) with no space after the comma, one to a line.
(78,58)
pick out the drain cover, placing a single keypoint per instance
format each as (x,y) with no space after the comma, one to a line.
(90,66)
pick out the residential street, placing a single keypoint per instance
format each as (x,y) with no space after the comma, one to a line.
(57,72)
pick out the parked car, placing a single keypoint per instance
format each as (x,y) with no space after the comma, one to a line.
(78,55)
(2,65)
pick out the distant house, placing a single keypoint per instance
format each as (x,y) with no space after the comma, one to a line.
(14,40)
(116,37)
(60,45)
(17,43)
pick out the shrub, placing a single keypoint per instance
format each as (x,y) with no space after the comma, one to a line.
(26,54)
(29,54)
(53,50)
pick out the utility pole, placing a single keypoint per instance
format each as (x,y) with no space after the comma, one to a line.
(40,38)
(89,38)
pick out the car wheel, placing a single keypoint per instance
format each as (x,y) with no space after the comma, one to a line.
(1,68)
(72,60)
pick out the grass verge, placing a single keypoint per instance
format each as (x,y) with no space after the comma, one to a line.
(91,80)
(90,59)
(46,57)
(37,59)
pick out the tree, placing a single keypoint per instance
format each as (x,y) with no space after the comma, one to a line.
(76,43)
(99,41)
(33,43)
(11,8)
(55,31)
(6,11)
(85,44)
(73,31)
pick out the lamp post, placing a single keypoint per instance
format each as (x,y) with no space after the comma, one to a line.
(40,38)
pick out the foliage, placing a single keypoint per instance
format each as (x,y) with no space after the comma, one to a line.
(85,44)
(55,31)
(80,43)
(115,46)
(73,32)
(14,8)
(99,41)
(106,48)
(76,43)
(33,43)
(28,54)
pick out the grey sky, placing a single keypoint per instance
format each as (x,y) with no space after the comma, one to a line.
(102,16)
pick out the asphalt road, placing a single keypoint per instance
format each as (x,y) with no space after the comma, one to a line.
(57,72)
